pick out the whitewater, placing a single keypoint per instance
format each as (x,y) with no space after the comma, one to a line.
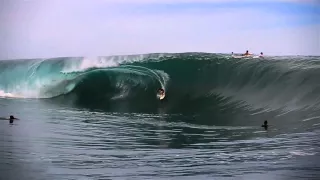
(100,118)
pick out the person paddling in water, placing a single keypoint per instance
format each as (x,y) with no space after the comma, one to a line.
(12,118)
(265,125)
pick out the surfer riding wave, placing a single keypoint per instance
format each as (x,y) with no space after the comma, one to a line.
(161,93)
(247,54)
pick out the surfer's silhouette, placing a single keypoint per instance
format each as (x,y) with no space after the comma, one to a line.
(265,125)
(246,54)
(261,54)
(161,94)
(161,91)
(12,118)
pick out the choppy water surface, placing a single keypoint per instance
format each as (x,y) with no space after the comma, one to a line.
(53,141)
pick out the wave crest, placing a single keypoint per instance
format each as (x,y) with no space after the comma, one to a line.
(194,82)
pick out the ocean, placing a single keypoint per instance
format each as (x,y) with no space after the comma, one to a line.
(99,117)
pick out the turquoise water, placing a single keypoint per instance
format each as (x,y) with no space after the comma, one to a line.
(104,122)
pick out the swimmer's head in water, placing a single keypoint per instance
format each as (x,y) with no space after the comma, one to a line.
(265,122)
(11,117)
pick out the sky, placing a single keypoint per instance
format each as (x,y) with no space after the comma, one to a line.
(61,28)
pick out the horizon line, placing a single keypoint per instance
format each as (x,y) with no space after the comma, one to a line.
(154,53)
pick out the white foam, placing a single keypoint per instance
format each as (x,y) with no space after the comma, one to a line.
(302,153)
(90,62)
(312,118)
(97,63)
(10,95)
(109,61)
(37,89)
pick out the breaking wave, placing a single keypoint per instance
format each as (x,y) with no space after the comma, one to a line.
(194,82)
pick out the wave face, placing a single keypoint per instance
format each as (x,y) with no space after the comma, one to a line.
(194,82)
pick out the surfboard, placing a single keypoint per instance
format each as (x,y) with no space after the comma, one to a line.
(161,97)
(245,56)
(237,56)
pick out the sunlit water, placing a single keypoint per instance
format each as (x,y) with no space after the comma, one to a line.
(58,142)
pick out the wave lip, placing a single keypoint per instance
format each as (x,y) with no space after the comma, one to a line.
(48,78)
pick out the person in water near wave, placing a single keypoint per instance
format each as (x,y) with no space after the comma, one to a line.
(265,125)
(12,118)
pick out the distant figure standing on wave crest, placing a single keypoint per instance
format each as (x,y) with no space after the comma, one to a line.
(246,54)
(261,54)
